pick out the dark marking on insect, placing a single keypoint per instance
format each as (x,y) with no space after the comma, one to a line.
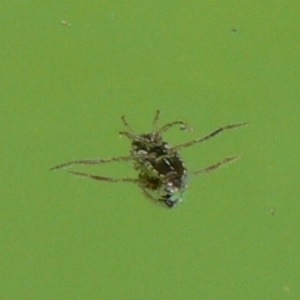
(162,175)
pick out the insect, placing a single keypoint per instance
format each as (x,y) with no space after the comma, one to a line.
(162,175)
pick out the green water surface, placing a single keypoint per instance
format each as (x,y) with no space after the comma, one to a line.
(70,70)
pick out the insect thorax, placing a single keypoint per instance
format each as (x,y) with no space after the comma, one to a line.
(160,168)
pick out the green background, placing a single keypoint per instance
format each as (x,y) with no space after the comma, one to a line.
(70,69)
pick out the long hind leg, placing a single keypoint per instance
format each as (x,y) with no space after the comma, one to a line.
(92,162)
(209,136)
(217,165)
(103,178)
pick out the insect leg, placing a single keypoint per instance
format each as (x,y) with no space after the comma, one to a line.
(92,162)
(130,135)
(207,137)
(127,125)
(155,120)
(151,198)
(102,178)
(217,165)
(183,126)
(147,194)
